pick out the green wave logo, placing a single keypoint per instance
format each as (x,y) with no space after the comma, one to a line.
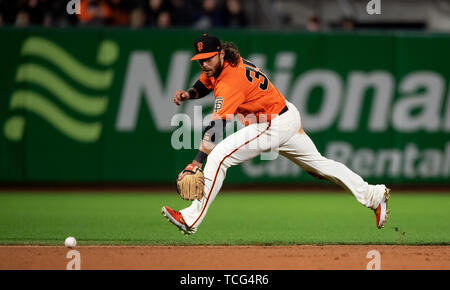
(39,76)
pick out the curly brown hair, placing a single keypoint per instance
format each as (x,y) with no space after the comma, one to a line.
(231,53)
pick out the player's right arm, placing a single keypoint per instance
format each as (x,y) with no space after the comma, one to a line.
(198,91)
(180,96)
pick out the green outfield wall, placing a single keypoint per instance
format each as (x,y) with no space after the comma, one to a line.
(95,105)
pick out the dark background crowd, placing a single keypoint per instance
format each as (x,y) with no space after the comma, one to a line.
(312,15)
(124,13)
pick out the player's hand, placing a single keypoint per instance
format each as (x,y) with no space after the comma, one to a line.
(191,183)
(188,170)
(180,96)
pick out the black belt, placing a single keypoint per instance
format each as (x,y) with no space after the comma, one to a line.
(284,110)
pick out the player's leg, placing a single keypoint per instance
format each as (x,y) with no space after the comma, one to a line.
(301,150)
(242,145)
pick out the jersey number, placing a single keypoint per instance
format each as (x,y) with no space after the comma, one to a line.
(263,81)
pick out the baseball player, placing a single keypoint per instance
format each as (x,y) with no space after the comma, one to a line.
(272,124)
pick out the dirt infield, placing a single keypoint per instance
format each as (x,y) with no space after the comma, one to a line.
(226,257)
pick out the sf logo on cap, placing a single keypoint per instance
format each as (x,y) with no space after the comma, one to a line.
(200,46)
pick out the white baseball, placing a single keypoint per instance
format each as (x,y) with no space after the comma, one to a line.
(70,242)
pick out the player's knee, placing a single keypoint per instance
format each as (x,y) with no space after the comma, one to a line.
(215,156)
(315,175)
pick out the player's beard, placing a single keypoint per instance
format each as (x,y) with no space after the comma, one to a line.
(218,68)
(214,71)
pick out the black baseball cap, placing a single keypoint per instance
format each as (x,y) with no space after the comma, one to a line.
(206,46)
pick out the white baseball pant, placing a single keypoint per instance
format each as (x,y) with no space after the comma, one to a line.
(281,135)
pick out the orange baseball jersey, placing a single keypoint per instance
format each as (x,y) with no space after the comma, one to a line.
(244,90)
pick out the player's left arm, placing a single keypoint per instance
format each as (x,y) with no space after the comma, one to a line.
(190,181)
(224,109)
(212,135)
(229,98)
